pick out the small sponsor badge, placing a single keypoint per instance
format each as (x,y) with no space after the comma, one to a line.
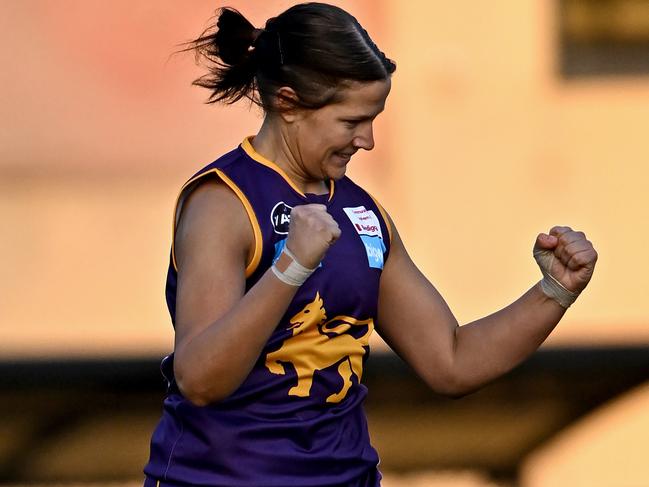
(365,221)
(280,217)
(368,227)
(279,246)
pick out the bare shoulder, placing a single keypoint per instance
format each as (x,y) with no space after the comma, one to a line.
(212,216)
(397,249)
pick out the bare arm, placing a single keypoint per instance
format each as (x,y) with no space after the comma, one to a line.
(454,360)
(221,329)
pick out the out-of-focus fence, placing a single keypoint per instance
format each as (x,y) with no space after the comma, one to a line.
(91,420)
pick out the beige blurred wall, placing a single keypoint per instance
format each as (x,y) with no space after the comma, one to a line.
(100,128)
(481,147)
(490,147)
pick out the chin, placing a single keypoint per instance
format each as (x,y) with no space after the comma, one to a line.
(336,174)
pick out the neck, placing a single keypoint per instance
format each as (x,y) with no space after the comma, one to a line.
(274,143)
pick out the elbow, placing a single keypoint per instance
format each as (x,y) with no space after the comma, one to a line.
(193,386)
(458,393)
(458,389)
(453,392)
(195,398)
(191,389)
(451,386)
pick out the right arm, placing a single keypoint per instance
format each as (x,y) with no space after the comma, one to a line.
(455,360)
(220,329)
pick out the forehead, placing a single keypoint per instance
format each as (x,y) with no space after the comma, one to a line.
(366,98)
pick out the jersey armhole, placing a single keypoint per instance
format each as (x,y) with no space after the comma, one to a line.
(256,230)
(385,217)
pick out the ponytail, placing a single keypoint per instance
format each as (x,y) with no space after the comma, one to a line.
(227,46)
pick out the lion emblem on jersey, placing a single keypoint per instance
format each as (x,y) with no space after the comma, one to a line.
(318,343)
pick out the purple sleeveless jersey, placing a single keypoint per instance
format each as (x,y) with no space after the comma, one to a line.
(297,420)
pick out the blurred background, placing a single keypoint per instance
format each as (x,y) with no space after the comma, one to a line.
(505,119)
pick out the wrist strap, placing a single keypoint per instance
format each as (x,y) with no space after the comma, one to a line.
(549,284)
(293,273)
(555,290)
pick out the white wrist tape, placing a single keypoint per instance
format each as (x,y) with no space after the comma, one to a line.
(295,273)
(551,287)
(555,290)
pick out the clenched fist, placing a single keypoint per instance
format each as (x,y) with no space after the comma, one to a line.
(567,256)
(310,234)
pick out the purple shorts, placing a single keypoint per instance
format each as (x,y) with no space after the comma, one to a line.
(371,479)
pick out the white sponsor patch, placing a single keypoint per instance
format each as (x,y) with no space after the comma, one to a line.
(280,217)
(365,221)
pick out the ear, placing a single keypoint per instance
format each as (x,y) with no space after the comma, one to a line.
(287,104)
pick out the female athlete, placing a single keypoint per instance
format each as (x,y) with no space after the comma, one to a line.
(281,268)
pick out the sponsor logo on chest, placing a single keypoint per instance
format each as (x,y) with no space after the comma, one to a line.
(368,227)
(365,221)
(280,217)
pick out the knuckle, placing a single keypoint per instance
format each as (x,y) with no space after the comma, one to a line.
(570,236)
(558,229)
(576,246)
(317,208)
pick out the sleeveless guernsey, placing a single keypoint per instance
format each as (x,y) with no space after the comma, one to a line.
(297,419)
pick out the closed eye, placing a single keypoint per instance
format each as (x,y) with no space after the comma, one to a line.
(351,123)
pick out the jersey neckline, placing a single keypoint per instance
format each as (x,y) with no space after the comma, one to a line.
(247,147)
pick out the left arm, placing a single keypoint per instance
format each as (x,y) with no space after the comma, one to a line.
(455,360)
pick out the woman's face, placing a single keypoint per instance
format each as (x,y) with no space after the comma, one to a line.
(325,139)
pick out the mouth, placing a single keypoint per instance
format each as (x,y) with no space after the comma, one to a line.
(344,156)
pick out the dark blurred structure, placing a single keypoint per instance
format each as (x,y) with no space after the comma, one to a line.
(91,420)
(603,37)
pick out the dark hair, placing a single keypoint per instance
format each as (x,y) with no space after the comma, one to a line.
(313,48)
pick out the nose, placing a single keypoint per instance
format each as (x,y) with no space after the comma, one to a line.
(364,138)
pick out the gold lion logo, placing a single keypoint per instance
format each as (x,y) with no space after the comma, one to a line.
(317,344)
